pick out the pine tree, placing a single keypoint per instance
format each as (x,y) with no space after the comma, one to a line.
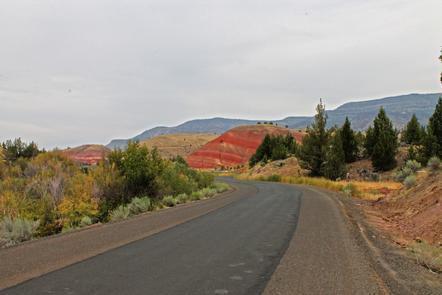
(369,142)
(412,132)
(334,166)
(314,143)
(349,142)
(432,142)
(385,143)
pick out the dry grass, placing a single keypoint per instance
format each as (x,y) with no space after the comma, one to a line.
(370,190)
(359,189)
(427,255)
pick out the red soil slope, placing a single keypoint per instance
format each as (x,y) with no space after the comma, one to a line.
(235,147)
(89,154)
(414,213)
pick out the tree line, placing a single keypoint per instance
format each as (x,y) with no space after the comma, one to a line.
(274,147)
(326,151)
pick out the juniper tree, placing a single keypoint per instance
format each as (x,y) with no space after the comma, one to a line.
(412,133)
(334,165)
(314,144)
(384,138)
(349,143)
(432,142)
(369,142)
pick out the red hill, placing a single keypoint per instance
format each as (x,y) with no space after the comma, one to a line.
(235,147)
(89,154)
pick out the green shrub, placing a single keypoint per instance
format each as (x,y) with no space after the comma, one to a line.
(169,201)
(120,213)
(374,176)
(403,173)
(220,187)
(67,229)
(350,190)
(203,179)
(14,231)
(139,205)
(182,198)
(196,196)
(434,164)
(410,181)
(85,221)
(274,178)
(413,165)
(208,192)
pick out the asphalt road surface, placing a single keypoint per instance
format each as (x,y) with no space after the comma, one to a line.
(275,238)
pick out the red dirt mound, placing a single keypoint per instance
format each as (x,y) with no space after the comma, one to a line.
(89,154)
(412,213)
(235,147)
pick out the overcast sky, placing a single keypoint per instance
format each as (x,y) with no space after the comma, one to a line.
(87,71)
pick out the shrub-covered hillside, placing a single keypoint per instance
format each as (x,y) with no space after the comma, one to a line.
(46,193)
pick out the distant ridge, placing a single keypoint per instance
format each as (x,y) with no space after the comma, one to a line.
(361,113)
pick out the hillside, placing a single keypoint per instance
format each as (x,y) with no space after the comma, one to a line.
(361,113)
(183,144)
(89,154)
(235,147)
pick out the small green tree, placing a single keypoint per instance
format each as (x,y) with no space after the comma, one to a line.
(369,142)
(279,152)
(432,142)
(264,151)
(314,144)
(334,166)
(384,151)
(349,143)
(412,133)
(139,168)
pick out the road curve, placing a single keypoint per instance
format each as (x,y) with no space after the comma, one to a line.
(276,239)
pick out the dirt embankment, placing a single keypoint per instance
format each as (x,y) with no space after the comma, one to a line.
(235,147)
(413,214)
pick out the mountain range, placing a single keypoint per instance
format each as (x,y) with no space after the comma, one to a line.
(361,114)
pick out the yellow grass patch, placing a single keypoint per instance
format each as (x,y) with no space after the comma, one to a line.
(359,189)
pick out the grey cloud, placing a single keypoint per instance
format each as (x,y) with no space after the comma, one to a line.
(80,71)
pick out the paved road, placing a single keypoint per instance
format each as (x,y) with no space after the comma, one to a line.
(237,249)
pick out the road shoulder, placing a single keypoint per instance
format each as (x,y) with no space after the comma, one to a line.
(323,257)
(373,264)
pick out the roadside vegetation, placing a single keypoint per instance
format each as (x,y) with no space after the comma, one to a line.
(44,193)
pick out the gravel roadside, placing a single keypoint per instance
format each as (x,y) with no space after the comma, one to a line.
(374,265)
(323,257)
